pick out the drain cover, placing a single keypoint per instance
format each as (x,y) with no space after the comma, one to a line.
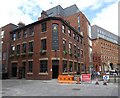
(76,89)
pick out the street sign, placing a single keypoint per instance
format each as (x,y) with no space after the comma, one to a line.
(86,77)
(106,77)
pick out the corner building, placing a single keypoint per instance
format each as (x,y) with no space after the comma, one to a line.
(79,22)
(45,49)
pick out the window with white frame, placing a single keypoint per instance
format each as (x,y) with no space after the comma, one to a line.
(64,45)
(63,28)
(12,49)
(69,33)
(70,48)
(13,36)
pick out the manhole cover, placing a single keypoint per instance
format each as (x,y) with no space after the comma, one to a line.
(76,89)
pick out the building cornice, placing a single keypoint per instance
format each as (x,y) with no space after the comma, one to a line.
(44,20)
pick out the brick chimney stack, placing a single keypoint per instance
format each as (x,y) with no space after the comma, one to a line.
(20,24)
(43,15)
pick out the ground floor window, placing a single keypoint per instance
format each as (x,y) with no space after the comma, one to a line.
(83,67)
(75,66)
(70,66)
(64,66)
(43,66)
(30,68)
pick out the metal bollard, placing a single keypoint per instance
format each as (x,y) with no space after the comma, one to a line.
(114,78)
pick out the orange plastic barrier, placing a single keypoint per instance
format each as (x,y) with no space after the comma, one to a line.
(66,79)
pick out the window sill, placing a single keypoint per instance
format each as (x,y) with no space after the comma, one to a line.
(44,32)
(30,73)
(31,35)
(55,50)
(30,53)
(42,73)
(43,50)
(71,72)
(65,73)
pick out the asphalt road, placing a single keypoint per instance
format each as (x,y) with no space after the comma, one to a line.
(53,88)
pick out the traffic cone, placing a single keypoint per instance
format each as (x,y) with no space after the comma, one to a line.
(97,83)
(104,82)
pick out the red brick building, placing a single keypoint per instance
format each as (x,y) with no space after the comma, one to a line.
(46,49)
(82,25)
(5,43)
(96,61)
(78,21)
(108,53)
(107,47)
(58,43)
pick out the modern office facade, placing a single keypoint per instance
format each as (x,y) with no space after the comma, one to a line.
(107,46)
(78,21)
(45,49)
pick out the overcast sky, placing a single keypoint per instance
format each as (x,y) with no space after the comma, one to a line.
(103,13)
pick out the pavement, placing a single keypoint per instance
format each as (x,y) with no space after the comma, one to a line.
(12,87)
